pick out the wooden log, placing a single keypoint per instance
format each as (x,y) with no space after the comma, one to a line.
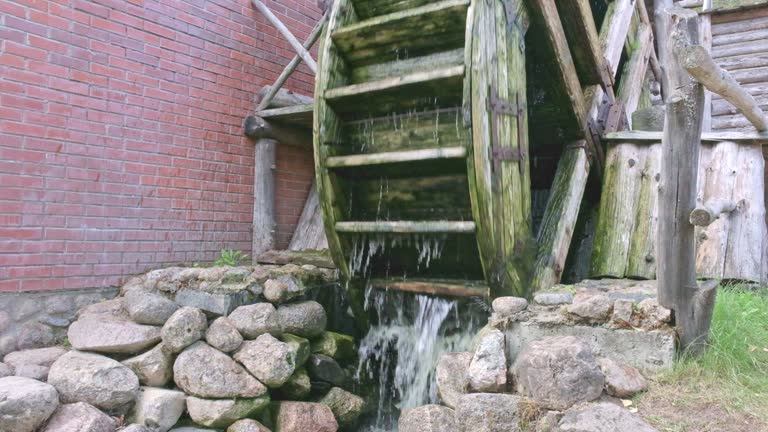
(264,197)
(318,258)
(440,288)
(407,227)
(712,137)
(642,256)
(283,98)
(300,50)
(260,128)
(676,269)
(556,230)
(706,213)
(396,157)
(633,78)
(309,233)
(583,40)
(705,40)
(697,61)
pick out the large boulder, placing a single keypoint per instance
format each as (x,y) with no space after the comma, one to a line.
(255,320)
(303,417)
(220,413)
(25,404)
(346,407)
(223,335)
(185,327)
(427,418)
(5,370)
(621,380)
(487,371)
(591,309)
(298,344)
(324,368)
(120,336)
(297,387)
(205,372)
(247,425)
(38,357)
(94,379)
(306,319)
(39,373)
(135,428)
(158,409)
(558,372)
(283,289)
(34,335)
(451,377)
(213,303)
(149,308)
(602,417)
(488,412)
(509,306)
(154,367)
(79,417)
(335,345)
(272,362)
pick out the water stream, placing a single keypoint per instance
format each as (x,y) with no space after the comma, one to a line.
(399,354)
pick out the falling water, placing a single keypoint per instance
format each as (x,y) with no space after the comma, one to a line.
(399,354)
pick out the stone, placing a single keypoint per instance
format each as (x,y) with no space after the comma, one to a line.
(296,388)
(335,345)
(255,320)
(247,425)
(488,412)
(36,372)
(104,311)
(653,315)
(212,303)
(37,357)
(7,344)
(113,336)
(303,417)
(5,370)
(221,413)
(191,429)
(135,428)
(5,321)
(154,367)
(558,372)
(34,335)
(79,417)
(602,417)
(553,298)
(487,371)
(205,372)
(591,308)
(283,289)
(25,308)
(346,407)
(298,344)
(185,327)
(324,368)
(94,379)
(451,377)
(272,362)
(622,312)
(63,304)
(223,335)
(158,409)
(53,321)
(427,418)
(25,404)
(149,308)
(508,306)
(548,421)
(622,381)
(306,319)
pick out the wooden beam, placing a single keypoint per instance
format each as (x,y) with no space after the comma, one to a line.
(708,212)
(300,50)
(655,137)
(260,128)
(633,78)
(437,287)
(697,61)
(584,42)
(283,98)
(705,40)
(264,197)
(676,270)
(310,233)
(406,227)
(396,157)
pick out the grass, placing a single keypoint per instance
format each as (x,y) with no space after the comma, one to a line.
(726,388)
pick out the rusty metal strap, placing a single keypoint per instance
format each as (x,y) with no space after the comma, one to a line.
(498,107)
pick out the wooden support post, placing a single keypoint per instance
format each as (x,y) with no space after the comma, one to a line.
(310,232)
(681,144)
(697,61)
(300,50)
(708,212)
(259,128)
(633,78)
(282,98)
(705,40)
(264,197)
(292,65)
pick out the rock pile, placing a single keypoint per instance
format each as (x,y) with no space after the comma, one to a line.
(190,349)
(554,384)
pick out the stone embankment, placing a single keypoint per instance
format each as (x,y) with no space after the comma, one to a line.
(240,349)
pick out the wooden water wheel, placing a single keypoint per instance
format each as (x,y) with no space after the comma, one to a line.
(421,148)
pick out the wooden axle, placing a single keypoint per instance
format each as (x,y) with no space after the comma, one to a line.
(259,128)
(704,214)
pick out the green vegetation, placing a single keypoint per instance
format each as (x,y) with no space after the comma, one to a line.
(229,257)
(725,389)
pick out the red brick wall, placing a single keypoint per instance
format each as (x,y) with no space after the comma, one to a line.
(121,145)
